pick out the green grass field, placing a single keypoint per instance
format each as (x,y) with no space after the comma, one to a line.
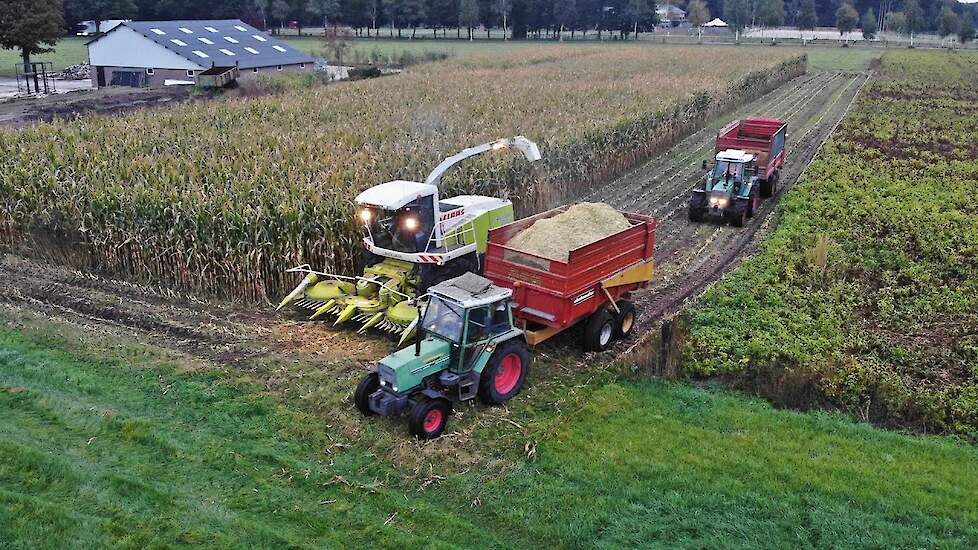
(116,445)
(71,51)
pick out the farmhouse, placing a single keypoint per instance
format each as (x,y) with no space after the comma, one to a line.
(150,53)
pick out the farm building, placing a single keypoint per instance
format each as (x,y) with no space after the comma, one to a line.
(150,53)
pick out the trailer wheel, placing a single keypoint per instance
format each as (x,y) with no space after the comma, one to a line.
(361,397)
(625,320)
(505,373)
(429,417)
(599,330)
(774,184)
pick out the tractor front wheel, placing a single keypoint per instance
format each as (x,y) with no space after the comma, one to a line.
(429,417)
(625,320)
(361,397)
(599,330)
(505,373)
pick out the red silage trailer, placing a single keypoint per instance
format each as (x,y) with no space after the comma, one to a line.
(592,286)
(764,137)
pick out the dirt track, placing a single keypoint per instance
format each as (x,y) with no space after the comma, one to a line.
(689,256)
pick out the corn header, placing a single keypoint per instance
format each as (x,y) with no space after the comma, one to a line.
(413,240)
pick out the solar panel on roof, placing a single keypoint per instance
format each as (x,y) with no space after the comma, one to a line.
(207,41)
(227,52)
(158,31)
(178,42)
(259,37)
(231,40)
(240,28)
(185,30)
(252,50)
(280,48)
(199,53)
(212,29)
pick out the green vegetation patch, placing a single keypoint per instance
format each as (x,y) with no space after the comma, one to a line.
(126,448)
(866,295)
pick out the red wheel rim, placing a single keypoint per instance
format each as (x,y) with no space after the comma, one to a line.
(508,373)
(432,420)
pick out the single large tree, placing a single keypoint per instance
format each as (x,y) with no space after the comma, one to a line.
(913,18)
(737,14)
(807,17)
(638,13)
(846,19)
(31,26)
(869,25)
(770,13)
(697,13)
(468,15)
(948,23)
(967,31)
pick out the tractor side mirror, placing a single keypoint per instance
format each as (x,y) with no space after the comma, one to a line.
(704,164)
(419,336)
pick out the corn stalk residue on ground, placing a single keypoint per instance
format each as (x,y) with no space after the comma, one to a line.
(220,197)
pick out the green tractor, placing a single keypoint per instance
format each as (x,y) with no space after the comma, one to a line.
(466,346)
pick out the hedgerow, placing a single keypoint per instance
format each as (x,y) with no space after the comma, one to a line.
(868,287)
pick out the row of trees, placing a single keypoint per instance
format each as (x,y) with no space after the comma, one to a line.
(910,20)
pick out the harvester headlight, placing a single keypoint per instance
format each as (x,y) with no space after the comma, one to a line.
(411,223)
(365,215)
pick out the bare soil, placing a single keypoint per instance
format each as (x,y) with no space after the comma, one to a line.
(106,101)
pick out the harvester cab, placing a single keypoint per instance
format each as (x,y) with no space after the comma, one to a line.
(413,240)
(467,346)
(729,189)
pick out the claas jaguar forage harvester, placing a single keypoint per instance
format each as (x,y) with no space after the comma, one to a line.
(413,239)
(749,156)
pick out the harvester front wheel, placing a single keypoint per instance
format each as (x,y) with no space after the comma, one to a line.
(429,417)
(625,320)
(598,331)
(695,213)
(505,373)
(361,397)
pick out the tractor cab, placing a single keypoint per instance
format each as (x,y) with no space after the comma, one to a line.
(467,346)
(398,216)
(732,175)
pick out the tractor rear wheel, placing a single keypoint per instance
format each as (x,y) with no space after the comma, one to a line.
(625,320)
(429,417)
(361,397)
(505,373)
(598,330)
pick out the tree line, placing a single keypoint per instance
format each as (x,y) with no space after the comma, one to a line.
(33,26)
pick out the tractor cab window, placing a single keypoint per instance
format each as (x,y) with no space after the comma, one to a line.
(500,318)
(444,319)
(478,328)
(406,229)
(725,170)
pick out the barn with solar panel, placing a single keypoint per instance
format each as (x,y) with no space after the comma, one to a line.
(157,53)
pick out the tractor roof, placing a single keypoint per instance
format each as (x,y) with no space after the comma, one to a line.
(394,194)
(471,290)
(735,155)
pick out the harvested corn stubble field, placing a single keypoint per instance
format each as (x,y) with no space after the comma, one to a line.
(220,197)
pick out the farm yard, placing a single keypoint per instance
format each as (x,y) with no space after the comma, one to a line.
(146,409)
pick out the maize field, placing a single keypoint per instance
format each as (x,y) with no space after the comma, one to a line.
(220,197)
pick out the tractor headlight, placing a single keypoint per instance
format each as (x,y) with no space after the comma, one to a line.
(365,215)
(411,223)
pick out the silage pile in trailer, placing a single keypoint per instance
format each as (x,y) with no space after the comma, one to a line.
(579,225)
